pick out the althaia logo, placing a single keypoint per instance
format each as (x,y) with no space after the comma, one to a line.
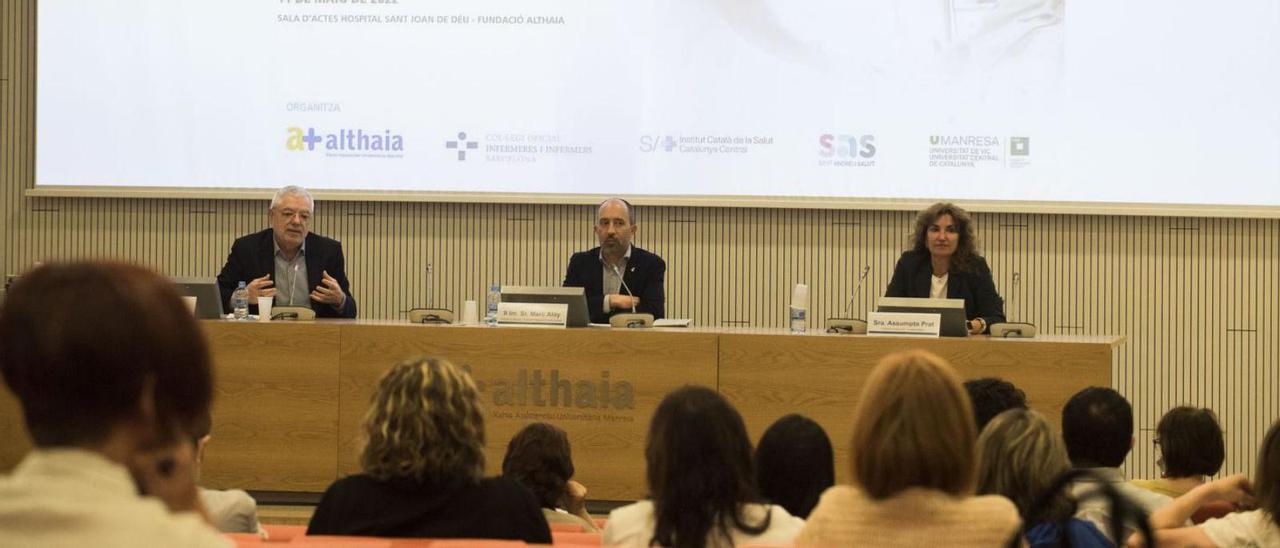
(343,140)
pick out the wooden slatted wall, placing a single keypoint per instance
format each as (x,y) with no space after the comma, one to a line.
(1196,297)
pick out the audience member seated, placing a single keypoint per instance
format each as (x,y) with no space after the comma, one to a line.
(702,481)
(231,510)
(1260,527)
(992,396)
(1019,458)
(1097,425)
(111,371)
(539,457)
(1191,449)
(423,464)
(794,464)
(912,457)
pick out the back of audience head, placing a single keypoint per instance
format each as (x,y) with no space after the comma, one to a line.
(699,468)
(991,396)
(794,464)
(1020,457)
(913,427)
(1267,480)
(116,341)
(1097,425)
(424,424)
(539,458)
(1191,443)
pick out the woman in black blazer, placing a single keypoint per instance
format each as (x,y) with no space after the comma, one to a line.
(943,262)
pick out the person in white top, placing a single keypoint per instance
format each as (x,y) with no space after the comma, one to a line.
(1259,527)
(111,371)
(701,481)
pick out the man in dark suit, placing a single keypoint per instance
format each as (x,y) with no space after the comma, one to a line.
(290,263)
(618,276)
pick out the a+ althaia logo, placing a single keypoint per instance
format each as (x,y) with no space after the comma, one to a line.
(343,140)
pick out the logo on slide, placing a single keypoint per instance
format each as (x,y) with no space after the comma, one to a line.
(844,150)
(651,143)
(1019,152)
(964,151)
(345,142)
(1019,146)
(462,145)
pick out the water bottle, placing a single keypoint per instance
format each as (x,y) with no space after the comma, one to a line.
(491,305)
(240,302)
(798,312)
(798,316)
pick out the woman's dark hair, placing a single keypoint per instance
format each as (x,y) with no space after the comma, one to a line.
(965,257)
(1267,480)
(1190,442)
(81,342)
(795,464)
(699,469)
(539,458)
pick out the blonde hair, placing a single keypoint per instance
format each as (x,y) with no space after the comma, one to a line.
(913,427)
(425,423)
(1019,457)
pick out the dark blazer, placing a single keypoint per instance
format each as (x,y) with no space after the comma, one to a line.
(495,508)
(644,275)
(912,278)
(253,256)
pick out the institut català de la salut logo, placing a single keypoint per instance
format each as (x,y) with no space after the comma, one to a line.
(343,140)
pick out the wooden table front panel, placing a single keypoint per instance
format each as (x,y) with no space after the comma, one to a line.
(275,407)
(607,438)
(767,376)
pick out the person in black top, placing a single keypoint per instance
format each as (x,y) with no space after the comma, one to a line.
(597,270)
(943,262)
(423,466)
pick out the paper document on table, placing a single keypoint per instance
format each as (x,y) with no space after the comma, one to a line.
(672,322)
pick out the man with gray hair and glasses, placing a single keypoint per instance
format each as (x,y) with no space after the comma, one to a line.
(289,262)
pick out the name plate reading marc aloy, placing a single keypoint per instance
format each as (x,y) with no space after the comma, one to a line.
(545,314)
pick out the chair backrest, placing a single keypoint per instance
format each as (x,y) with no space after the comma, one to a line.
(475,543)
(339,541)
(566,527)
(431,315)
(299,313)
(283,533)
(576,539)
(245,539)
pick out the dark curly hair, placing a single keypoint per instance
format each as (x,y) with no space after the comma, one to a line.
(539,458)
(965,258)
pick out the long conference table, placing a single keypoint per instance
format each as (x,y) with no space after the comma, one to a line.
(291,396)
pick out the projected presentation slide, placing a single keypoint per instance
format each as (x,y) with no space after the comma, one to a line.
(1048,100)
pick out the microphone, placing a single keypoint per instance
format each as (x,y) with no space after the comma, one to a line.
(624,286)
(851,325)
(633,319)
(857,289)
(1011,330)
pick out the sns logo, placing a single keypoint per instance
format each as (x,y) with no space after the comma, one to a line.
(846,146)
(343,140)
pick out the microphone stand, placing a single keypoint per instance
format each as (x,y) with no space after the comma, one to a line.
(633,319)
(850,325)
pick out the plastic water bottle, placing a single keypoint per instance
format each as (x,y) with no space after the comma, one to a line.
(798,317)
(240,302)
(491,305)
(798,312)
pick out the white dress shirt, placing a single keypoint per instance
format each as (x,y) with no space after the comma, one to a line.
(74,497)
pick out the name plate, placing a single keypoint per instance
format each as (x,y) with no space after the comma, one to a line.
(910,324)
(549,314)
